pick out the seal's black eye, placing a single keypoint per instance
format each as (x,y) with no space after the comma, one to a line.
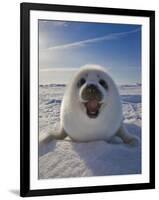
(103,83)
(81,82)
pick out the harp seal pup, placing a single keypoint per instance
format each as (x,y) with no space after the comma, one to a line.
(91,109)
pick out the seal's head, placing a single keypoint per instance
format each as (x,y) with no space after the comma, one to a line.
(93,91)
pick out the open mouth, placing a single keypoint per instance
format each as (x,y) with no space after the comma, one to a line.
(92,108)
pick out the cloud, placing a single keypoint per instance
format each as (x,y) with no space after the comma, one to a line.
(82,43)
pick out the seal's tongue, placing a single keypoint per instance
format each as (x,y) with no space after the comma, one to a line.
(92,106)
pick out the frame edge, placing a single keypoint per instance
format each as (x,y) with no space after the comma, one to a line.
(24,101)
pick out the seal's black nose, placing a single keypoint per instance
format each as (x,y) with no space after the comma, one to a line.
(92,86)
(91,91)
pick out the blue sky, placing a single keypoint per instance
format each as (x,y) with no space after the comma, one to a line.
(69,45)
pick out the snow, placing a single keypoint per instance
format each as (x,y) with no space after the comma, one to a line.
(65,158)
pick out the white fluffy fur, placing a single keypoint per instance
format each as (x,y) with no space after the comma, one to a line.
(75,121)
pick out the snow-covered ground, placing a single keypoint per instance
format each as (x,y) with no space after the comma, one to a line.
(65,158)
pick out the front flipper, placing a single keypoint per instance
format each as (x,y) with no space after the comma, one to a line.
(127,137)
(52,136)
